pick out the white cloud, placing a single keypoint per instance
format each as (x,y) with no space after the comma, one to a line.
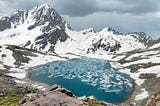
(112,4)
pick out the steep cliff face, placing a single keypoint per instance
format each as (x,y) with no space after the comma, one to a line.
(48,40)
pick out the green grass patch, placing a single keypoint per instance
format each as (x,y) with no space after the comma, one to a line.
(94,103)
(10,100)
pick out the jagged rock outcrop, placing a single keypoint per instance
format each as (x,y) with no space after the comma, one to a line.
(142,37)
(154,100)
(55,97)
(4,23)
(104,45)
(50,38)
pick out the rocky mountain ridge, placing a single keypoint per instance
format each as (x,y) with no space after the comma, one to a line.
(45,30)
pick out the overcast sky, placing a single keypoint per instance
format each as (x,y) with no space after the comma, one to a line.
(122,15)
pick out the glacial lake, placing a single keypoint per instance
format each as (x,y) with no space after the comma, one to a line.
(86,77)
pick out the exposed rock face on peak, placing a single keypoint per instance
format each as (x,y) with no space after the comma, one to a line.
(50,38)
(104,45)
(141,37)
(4,23)
(114,31)
(47,14)
(90,30)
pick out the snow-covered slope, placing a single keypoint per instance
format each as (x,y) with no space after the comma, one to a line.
(155,44)
(43,29)
(89,41)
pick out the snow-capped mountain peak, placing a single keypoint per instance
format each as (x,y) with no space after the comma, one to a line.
(38,16)
(24,27)
(89,30)
(46,6)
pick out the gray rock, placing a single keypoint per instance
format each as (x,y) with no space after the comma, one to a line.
(52,98)
(4,23)
(106,46)
(52,38)
(54,87)
(67,92)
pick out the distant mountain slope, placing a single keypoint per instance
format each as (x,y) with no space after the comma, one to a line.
(108,40)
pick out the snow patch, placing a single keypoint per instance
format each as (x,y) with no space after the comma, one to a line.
(155,46)
(143,95)
(17,73)
(2,67)
(8,58)
(20,82)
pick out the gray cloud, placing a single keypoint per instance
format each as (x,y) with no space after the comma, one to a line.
(86,7)
(75,7)
(142,6)
(121,22)
(10,6)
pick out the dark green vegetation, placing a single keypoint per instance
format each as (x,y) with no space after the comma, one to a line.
(6,84)
(9,93)
(93,102)
(10,100)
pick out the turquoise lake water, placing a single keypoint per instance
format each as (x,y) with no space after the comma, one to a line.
(86,77)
